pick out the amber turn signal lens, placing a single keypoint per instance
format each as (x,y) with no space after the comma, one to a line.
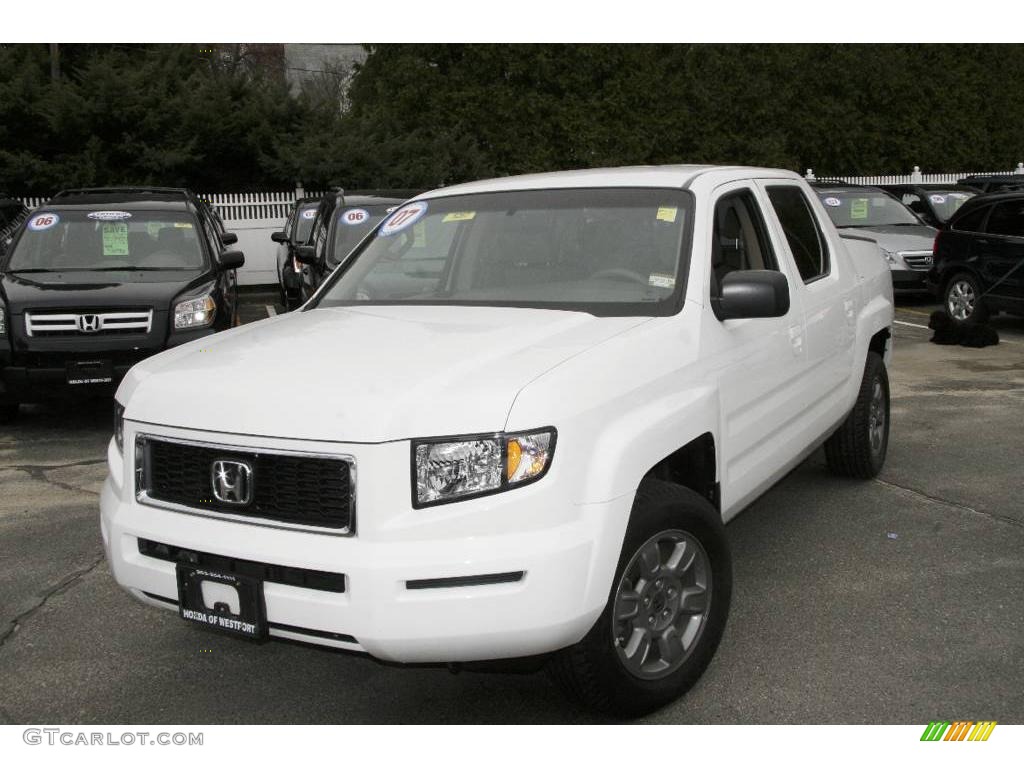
(515,454)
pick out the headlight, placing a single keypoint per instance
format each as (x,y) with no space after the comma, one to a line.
(119,426)
(450,470)
(890,257)
(3,321)
(195,313)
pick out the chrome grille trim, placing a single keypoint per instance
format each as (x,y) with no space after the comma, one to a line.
(919,260)
(142,496)
(43,323)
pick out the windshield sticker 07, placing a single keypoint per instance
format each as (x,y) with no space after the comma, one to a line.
(833,202)
(109,215)
(355,216)
(403,217)
(668,214)
(115,239)
(938,199)
(459,216)
(859,208)
(43,222)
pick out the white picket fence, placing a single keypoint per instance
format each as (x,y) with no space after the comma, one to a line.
(255,215)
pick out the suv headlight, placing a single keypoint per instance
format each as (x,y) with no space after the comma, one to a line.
(451,470)
(3,321)
(119,426)
(195,313)
(891,257)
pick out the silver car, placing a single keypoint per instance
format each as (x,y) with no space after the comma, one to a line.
(906,240)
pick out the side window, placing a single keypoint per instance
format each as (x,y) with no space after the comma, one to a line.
(1007,219)
(211,235)
(320,237)
(971,222)
(740,240)
(806,241)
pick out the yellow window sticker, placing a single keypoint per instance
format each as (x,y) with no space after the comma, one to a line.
(657,280)
(419,235)
(668,214)
(115,239)
(859,208)
(459,216)
(182,225)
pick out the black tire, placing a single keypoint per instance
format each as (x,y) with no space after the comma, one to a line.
(8,412)
(851,451)
(591,672)
(956,293)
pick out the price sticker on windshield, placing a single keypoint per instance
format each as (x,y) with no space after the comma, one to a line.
(115,239)
(43,222)
(859,208)
(403,217)
(355,216)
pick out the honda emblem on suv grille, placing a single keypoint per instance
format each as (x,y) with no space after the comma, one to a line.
(232,482)
(88,323)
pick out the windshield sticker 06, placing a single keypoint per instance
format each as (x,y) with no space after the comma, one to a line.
(859,208)
(459,216)
(108,215)
(833,202)
(938,199)
(309,213)
(43,222)
(666,213)
(403,217)
(115,239)
(355,216)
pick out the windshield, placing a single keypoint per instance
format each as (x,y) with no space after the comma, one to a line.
(304,224)
(57,241)
(351,224)
(947,202)
(605,251)
(865,208)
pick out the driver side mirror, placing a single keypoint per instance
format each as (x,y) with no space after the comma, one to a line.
(228,238)
(279,237)
(229,260)
(752,293)
(306,254)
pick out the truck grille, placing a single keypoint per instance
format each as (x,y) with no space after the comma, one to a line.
(292,488)
(65,323)
(919,260)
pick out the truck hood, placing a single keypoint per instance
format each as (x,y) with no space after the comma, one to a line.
(899,238)
(362,374)
(61,290)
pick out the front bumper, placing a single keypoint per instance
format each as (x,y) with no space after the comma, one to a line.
(566,555)
(908,280)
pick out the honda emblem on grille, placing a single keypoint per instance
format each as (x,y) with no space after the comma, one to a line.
(88,323)
(232,482)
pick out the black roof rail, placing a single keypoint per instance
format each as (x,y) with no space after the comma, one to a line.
(186,193)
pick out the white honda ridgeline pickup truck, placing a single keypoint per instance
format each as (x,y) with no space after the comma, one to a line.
(523,410)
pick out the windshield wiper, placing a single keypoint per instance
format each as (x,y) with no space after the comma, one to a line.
(30,271)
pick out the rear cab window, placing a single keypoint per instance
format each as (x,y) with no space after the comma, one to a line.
(803,234)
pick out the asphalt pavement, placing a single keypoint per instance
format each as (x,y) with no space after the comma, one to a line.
(898,600)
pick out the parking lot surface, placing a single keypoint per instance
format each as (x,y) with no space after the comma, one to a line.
(898,600)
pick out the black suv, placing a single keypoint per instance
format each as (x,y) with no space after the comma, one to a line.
(340,223)
(297,230)
(979,259)
(98,279)
(934,203)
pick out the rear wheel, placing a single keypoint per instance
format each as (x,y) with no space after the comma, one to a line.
(666,611)
(963,301)
(858,447)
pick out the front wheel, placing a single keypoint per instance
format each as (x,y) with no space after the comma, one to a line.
(8,412)
(858,447)
(962,299)
(666,611)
